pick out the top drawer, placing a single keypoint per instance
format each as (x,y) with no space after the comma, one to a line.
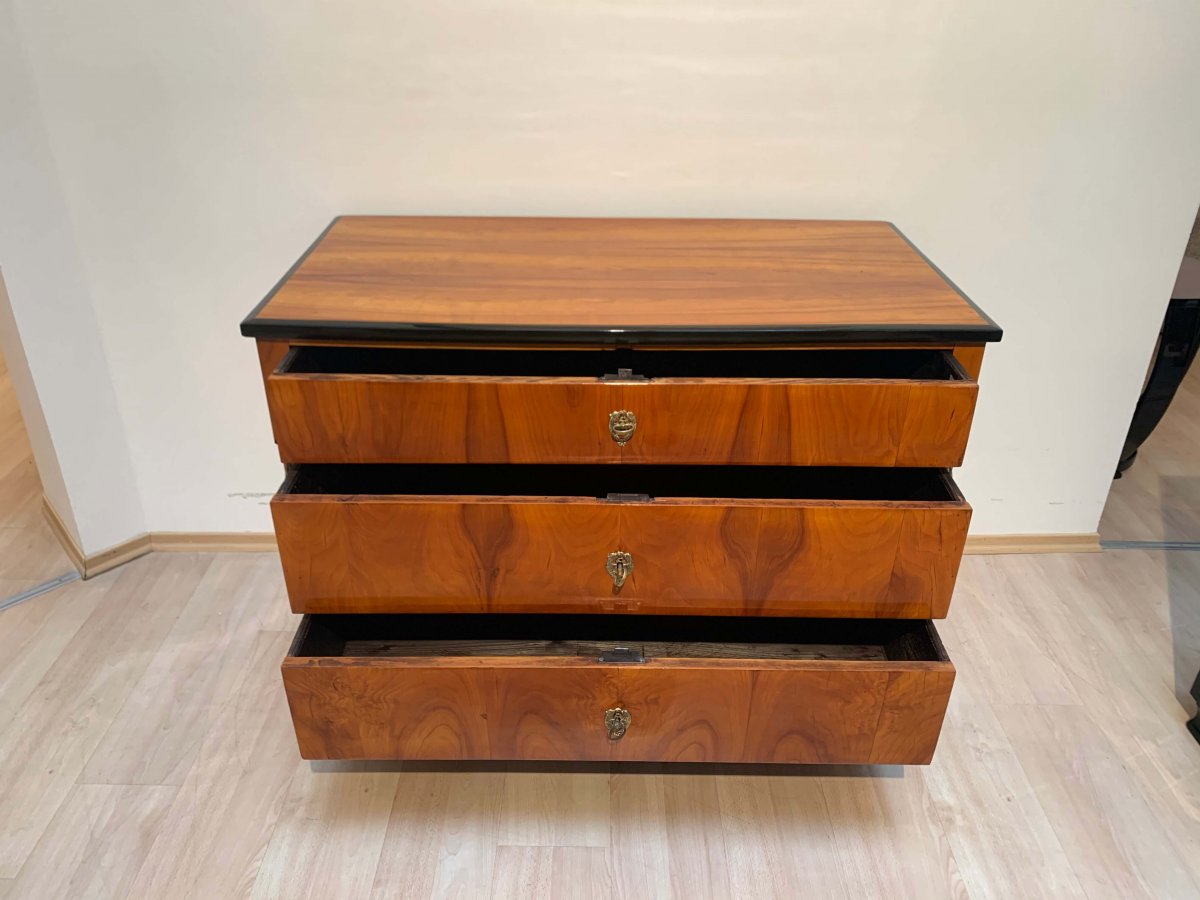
(811,407)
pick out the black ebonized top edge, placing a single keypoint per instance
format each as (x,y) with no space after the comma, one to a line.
(405,332)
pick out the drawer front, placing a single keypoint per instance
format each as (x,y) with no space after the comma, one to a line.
(350,551)
(714,708)
(445,555)
(389,415)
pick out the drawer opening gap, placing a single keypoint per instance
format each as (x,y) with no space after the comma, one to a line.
(626,364)
(617,640)
(633,483)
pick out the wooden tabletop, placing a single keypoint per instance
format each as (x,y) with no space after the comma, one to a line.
(616,281)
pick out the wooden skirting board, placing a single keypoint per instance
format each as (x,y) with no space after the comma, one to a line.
(980,544)
(160,541)
(262,542)
(94,564)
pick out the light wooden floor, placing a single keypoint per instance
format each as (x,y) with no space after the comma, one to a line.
(29,552)
(1158,499)
(146,751)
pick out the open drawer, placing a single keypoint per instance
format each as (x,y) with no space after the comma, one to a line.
(811,407)
(702,540)
(603,688)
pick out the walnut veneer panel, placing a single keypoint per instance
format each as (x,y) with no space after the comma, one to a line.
(324,418)
(320,418)
(817,423)
(715,710)
(713,557)
(343,554)
(434,274)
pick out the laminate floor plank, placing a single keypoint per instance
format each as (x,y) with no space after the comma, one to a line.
(212,840)
(1090,799)
(886,831)
(158,731)
(1011,662)
(546,873)
(998,832)
(48,740)
(555,809)
(695,838)
(522,873)
(1064,769)
(34,634)
(638,835)
(582,873)
(442,836)
(328,835)
(778,837)
(96,843)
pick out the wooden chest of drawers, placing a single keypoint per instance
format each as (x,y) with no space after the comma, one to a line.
(670,490)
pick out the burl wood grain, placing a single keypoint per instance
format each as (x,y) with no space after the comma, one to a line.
(682,710)
(414,419)
(617,273)
(704,557)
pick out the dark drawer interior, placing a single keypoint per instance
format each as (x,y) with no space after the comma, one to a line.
(626,482)
(617,639)
(627,363)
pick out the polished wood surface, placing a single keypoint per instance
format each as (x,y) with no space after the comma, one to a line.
(390,418)
(270,355)
(970,357)
(803,558)
(396,419)
(344,553)
(617,273)
(395,554)
(683,710)
(901,423)
(1063,770)
(466,347)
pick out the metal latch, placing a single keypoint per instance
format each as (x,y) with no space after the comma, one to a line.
(627,498)
(623,375)
(623,655)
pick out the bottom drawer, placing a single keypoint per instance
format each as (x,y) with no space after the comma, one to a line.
(669,689)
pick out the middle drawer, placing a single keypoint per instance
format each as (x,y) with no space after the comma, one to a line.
(677,540)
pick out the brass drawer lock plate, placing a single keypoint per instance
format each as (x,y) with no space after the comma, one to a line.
(619,567)
(616,722)
(621,425)
(623,655)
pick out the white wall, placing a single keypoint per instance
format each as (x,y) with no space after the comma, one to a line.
(59,368)
(1044,155)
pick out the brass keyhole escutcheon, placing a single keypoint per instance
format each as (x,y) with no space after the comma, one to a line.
(619,567)
(616,722)
(621,425)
